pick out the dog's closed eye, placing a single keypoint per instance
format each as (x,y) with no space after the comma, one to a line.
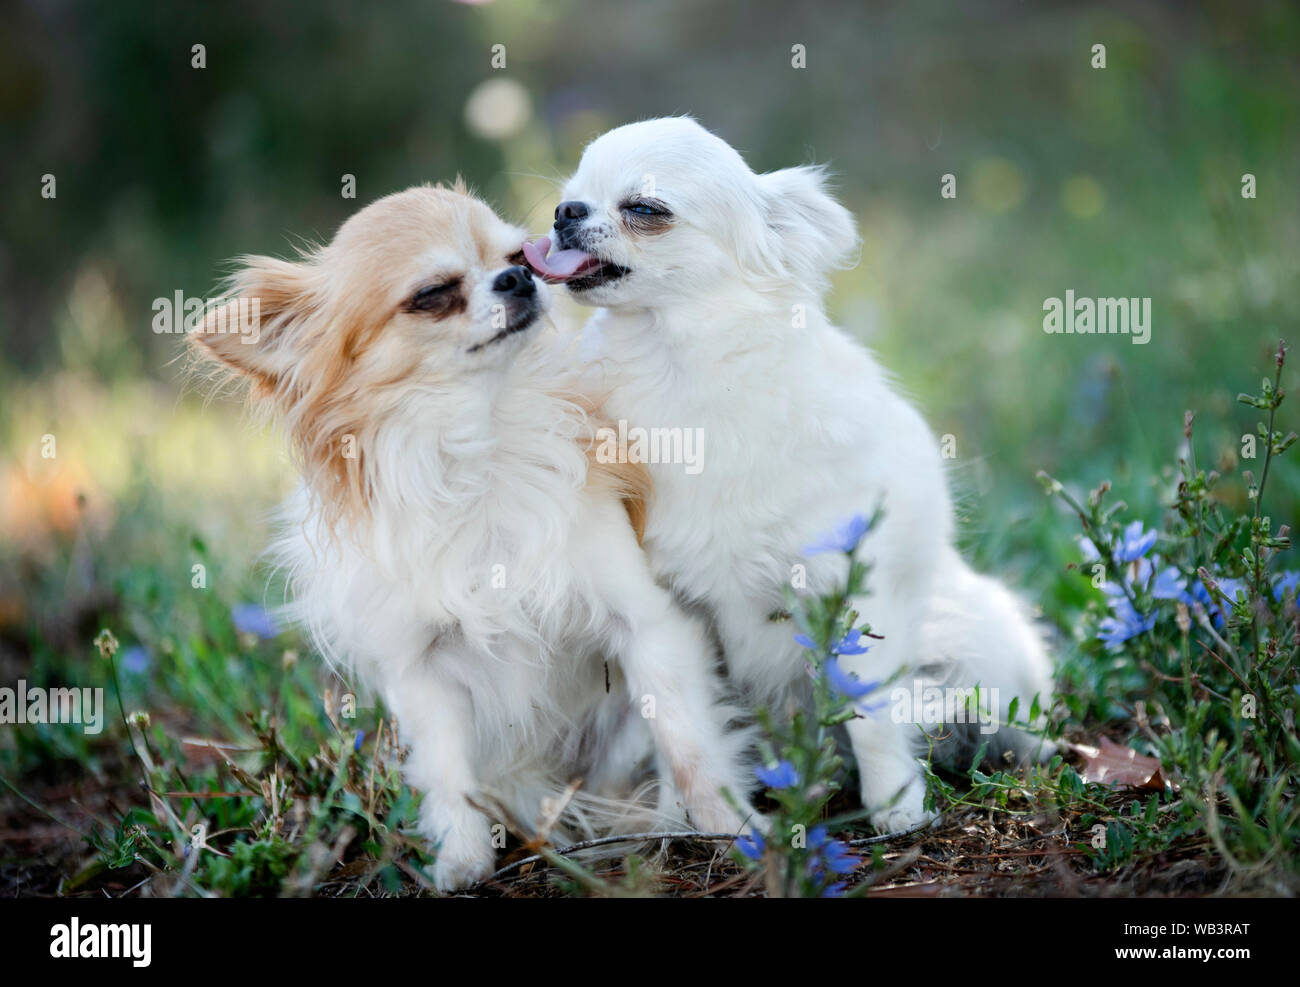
(644,206)
(440,298)
(646,215)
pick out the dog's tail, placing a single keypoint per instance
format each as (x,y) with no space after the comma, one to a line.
(977,633)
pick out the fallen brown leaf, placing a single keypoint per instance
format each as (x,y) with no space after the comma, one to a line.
(1116,765)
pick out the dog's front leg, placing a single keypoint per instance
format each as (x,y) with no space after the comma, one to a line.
(891,780)
(435,717)
(668,663)
(666,658)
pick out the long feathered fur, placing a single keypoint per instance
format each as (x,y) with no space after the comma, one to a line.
(457,544)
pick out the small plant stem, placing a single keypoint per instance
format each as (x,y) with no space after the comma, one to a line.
(1256,644)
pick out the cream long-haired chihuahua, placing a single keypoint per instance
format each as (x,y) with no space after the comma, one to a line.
(709,281)
(453,539)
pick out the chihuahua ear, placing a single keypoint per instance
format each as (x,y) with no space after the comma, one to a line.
(251,329)
(811,233)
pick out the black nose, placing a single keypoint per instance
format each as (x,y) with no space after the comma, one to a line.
(517,281)
(570,212)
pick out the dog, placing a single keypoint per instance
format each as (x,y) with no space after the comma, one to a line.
(708,280)
(453,539)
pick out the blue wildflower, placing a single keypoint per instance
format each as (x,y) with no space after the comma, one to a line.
(832,854)
(816,837)
(828,857)
(850,644)
(1201,594)
(136,660)
(1231,588)
(838,859)
(783,775)
(1197,593)
(845,684)
(1115,590)
(1163,584)
(1135,575)
(1136,542)
(752,846)
(1124,623)
(356,744)
(1142,570)
(1287,582)
(844,538)
(1169,585)
(250,618)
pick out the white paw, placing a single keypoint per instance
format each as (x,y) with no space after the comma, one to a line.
(906,813)
(460,867)
(464,855)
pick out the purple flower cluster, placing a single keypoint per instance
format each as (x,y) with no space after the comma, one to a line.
(845,686)
(782,775)
(1141,574)
(826,860)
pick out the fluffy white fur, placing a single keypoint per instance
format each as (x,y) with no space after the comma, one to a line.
(719,323)
(500,692)
(486,574)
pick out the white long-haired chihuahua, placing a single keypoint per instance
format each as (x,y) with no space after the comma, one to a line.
(454,539)
(709,280)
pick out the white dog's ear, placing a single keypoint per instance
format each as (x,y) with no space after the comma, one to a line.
(809,231)
(250,330)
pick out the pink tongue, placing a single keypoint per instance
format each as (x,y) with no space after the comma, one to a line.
(561,265)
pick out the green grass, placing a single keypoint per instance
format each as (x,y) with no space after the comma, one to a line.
(246,770)
(149,480)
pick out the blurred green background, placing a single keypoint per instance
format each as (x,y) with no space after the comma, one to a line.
(1122,181)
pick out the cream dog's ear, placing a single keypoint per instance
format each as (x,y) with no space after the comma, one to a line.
(810,232)
(252,330)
